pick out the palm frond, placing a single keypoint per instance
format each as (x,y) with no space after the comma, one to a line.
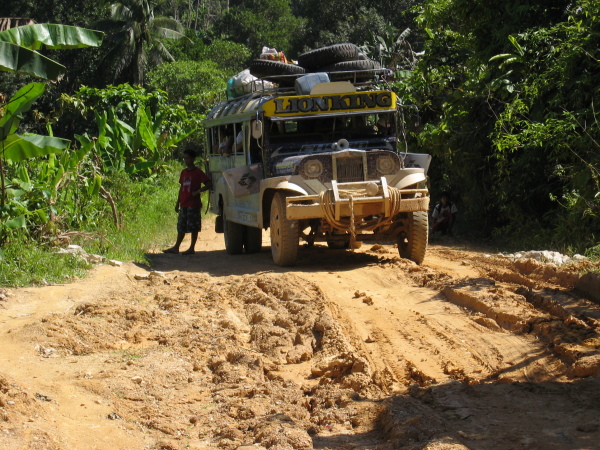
(159,54)
(166,33)
(403,35)
(118,11)
(137,36)
(118,58)
(167,22)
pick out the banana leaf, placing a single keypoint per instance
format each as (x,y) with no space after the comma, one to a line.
(18,104)
(22,60)
(18,148)
(52,36)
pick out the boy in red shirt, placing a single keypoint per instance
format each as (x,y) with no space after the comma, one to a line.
(188,202)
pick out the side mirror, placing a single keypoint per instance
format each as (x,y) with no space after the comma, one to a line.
(257,129)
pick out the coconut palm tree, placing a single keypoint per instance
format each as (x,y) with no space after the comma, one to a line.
(137,38)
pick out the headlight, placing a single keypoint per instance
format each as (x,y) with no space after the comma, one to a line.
(385,165)
(313,168)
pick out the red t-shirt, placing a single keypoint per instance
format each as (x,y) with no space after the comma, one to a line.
(190,181)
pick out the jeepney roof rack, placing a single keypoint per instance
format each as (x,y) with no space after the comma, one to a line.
(284,84)
(261,92)
(361,79)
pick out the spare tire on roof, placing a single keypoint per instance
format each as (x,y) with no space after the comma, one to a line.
(352,66)
(328,55)
(263,68)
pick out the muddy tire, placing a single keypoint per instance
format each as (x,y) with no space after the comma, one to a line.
(284,233)
(263,68)
(234,236)
(413,244)
(253,240)
(328,55)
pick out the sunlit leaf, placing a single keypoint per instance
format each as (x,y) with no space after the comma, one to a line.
(19,148)
(18,104)
(18,59)
(17,222)
(52,36)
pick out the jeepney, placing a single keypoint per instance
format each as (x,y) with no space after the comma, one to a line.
(324,167)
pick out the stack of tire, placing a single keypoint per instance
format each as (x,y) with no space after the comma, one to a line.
(334,59)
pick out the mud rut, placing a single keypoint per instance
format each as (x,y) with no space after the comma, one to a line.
(347,350)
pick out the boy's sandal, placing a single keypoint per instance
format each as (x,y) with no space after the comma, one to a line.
(171,250)
(188,252)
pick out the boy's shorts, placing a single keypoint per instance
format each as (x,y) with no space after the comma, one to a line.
(189,221)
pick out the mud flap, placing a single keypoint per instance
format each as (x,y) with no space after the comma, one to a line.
(219,224)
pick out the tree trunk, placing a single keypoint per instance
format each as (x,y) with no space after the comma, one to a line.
(196,21)
(138,74)
(189,17)
(3,196)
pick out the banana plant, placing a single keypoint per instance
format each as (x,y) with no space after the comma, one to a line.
(18,53)
(19,45)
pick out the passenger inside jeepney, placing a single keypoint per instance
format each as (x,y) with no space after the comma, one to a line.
(384,124)
(226,144)
(239,140)
(276,128)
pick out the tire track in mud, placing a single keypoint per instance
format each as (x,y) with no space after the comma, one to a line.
(538,300)
(427,335)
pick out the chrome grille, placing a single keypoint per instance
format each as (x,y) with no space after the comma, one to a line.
(350,170)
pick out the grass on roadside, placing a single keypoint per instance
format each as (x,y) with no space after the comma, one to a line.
(26,264)
(148,221)
(147,217)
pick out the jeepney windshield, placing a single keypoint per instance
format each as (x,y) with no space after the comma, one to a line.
(300,136)
(332,128)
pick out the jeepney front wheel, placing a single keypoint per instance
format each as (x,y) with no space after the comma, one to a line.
(284,233)
(413,243)
(234,236)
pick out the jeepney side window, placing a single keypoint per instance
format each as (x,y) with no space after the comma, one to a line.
(213,144)
(226,140)
(254,146)
(238,144)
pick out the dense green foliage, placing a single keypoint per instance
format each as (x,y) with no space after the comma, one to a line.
(355,21)
(257,23)
(197,85)
(145,226)
(507,93)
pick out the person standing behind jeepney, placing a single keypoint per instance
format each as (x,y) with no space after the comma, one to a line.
(193,182)
(444,215)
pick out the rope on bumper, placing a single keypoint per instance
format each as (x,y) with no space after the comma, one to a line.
(327,202)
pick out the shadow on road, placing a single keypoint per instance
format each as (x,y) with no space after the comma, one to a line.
(219,263)
(455,415)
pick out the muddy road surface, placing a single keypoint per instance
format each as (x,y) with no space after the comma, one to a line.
(347,350)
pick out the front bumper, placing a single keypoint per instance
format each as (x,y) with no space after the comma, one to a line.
(360,199)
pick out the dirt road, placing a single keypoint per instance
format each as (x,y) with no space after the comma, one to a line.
(346,350)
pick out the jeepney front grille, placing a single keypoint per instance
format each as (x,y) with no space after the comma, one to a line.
(349,169)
